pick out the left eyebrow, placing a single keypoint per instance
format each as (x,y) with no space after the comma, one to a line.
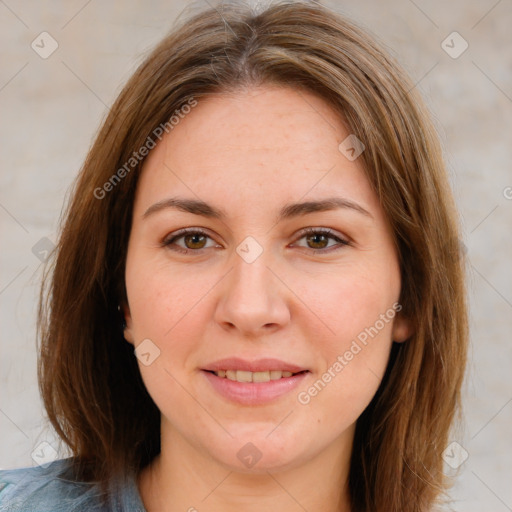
(332,203)
(198,207)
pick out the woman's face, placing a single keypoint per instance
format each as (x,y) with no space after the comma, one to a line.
(252,293)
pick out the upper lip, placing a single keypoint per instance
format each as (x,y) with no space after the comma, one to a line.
(256,365)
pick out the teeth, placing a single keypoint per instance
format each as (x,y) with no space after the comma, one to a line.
(245,376)
(242,376)
(261,377)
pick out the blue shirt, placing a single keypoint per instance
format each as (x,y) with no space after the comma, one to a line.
(52,489)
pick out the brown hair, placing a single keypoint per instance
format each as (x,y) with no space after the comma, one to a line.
(89,379)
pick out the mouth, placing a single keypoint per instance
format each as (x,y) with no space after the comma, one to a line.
(247,376)
(254,382)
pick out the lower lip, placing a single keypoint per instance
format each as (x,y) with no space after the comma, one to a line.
(253,393)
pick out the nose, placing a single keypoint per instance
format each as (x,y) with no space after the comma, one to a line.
(253,300)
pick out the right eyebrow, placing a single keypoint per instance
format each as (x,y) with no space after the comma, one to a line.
(195,206)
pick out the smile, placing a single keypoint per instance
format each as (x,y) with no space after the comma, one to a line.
(246,376)
(244,388)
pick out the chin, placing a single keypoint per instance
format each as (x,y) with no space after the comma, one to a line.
(257,453)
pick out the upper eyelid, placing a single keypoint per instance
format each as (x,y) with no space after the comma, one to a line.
(180,233)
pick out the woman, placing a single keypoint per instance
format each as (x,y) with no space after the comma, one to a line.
(257,298)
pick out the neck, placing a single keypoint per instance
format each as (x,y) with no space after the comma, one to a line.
(184,477)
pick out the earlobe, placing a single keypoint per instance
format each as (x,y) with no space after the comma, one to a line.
(128,336)
(402,329)
(127,323)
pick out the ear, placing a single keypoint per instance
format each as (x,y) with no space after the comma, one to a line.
(128,329)
(402,328)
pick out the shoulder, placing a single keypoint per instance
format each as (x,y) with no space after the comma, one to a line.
(46,489)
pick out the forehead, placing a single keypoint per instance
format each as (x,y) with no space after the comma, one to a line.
(263,145)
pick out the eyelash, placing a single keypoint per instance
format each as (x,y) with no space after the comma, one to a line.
(168,241)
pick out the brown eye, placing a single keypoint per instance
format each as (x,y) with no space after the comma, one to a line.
(194,240)
(318,240)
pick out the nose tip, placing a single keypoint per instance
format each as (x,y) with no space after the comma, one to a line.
(252,299)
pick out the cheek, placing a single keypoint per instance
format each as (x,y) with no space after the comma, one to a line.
(168,308)
(357,312)
(162,299)
(349,301)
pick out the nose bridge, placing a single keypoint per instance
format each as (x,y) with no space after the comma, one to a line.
(252,297)
(251,260)
(249,275)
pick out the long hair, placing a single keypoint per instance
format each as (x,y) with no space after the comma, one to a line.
(89,380)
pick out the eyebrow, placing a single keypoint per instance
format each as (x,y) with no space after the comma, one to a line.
(291,210)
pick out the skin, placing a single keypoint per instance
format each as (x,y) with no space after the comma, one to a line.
(250,153)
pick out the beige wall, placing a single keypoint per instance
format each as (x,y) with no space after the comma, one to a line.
(51,108)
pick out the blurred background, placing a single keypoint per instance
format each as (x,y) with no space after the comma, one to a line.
(62,66)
